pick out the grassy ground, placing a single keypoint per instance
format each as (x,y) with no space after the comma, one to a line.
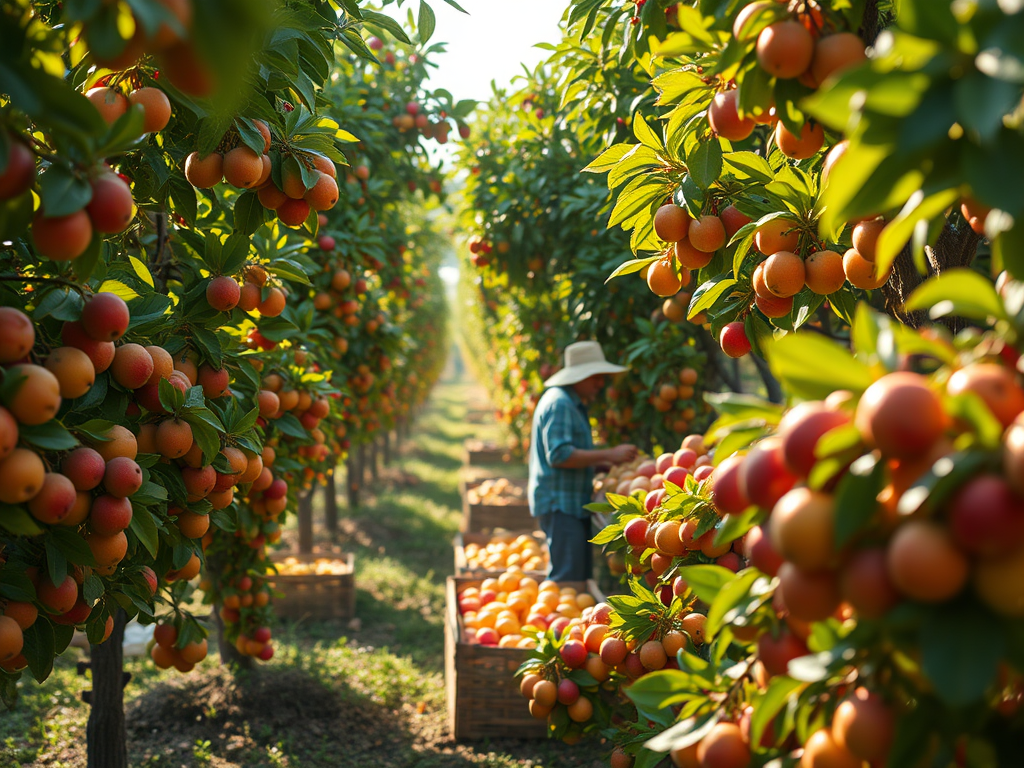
(338,695)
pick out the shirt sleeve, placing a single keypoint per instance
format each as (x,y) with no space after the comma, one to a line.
(557,435)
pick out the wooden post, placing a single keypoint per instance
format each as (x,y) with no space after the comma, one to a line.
(353,478)
(305,516)
(105,734)
(331,504)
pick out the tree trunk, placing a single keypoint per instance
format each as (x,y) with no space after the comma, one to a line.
(106,735)
(771,385)
(955,247)
(386,445)
(305,518)
(353,477)
(229,655)
(331,504)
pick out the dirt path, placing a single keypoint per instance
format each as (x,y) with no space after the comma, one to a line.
(336,695)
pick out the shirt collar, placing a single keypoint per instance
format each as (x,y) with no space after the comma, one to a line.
(577,400)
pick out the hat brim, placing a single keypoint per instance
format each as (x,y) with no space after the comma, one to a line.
(578,373)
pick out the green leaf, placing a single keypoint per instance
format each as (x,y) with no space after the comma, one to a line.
(656,692)
(645,135)
(708,293)
(813,367)
(728,597)
(961,650)
(50,436)
(778,693)
(18,521)
(426,22)
(144,527)
(706,580)
(704,163)
(249,213)
(631,267)
(39,649)
(62,192)
(962,292)
(856,496)
(381,21)
(917,212)
(72,546)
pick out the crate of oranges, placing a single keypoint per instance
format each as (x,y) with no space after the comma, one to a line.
(314,586)
(478,553)
(491,624)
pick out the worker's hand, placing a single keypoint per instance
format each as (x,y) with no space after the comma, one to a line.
(620,454)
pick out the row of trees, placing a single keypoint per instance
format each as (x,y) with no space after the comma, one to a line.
(833,180)
(215,235)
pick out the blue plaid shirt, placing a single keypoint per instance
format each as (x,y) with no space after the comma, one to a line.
(560,424)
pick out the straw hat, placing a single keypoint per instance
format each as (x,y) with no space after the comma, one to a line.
(582,360)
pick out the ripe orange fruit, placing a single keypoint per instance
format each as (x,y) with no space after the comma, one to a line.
(994,384)
(785,49)
(821,751)
(774,306)
(724,118)
(693,625)
(823,272)
(724,746)
(997,582)
(801,147)
(545,693)
(242,167)
(864,725)
(109,102)
(324,194)
(707,234)
(861,273)
(204,172)
(900,415)
(662,278)
(864,583)
(925,564)
(865,237)
(11,638)
(975,213)
(835,53)
(156,106)
(690,257)
(809,596)
(671,223)
(73,369)
(784,274)
(652,655)
(802,528)
(37,399)
(777,235)
(581,710)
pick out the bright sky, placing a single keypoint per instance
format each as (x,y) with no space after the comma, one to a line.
(490,43)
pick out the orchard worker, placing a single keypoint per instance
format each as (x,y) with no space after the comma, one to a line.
(563,458)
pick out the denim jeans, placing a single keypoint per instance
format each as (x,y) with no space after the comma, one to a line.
(569,546)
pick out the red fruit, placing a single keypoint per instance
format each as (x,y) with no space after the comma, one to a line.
(760,552)
(776,652)
(733,220)
(78,614)
(277,489)
(636,533)
(326,243)
(986,516)
(111,207)
(101,353)
(266,653)
(110,515)
(122,477)
(222,293)
(151,580)
(19,171)
(105,317)
(574,654)
(60,598)
(864,583)
(726,492)
(724,119)
(293,213)
(568,692)
(84,467)
(54,500)
(994,384)
(61,238)
(763,477)
(801,429)
(724,747)
(734,340)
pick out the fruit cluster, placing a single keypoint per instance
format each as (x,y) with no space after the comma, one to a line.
(497,492)
(508,611)
(167,652)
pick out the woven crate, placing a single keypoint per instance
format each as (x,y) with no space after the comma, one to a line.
(477,517)
(485,452)
(315,596)
(480,685)
(462,567)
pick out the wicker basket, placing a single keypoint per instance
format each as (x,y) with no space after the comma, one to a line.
(462,566)
(480,685)
(482,452)
(477,517)
(315,596)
